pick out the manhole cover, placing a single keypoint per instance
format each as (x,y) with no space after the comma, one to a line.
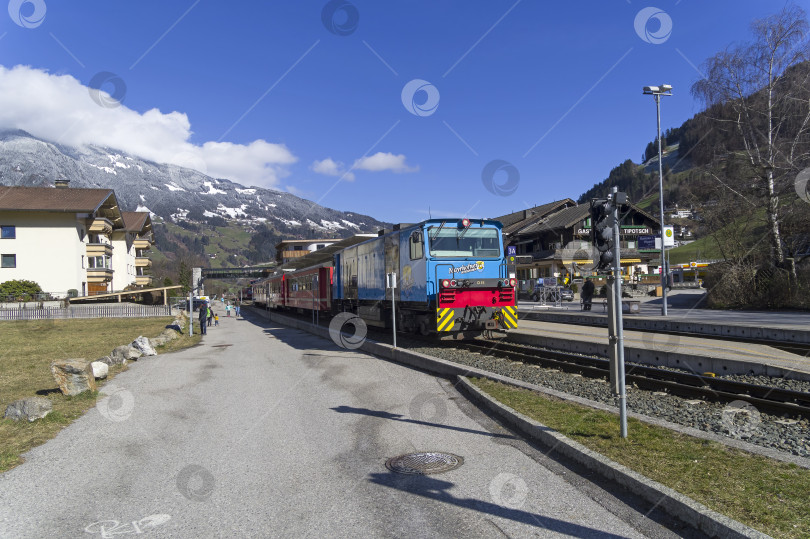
(424,463)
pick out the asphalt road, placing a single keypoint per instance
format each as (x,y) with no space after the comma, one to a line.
(266,431)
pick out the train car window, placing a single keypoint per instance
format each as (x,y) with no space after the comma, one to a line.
(417,247)
(477,242)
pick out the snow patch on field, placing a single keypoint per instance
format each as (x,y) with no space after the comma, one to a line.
(350,224)
(233,213)
(212,190)
(108,170)
(331,225)
(174,187)
(246,191)
(289,223)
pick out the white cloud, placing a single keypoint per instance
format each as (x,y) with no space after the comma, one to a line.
(384,161)
(332,168)
(59,108)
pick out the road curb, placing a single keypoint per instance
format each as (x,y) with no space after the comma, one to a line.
(678,505)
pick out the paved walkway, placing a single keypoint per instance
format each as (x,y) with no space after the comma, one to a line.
(267,431)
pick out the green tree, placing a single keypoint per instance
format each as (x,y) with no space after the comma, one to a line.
(19,290)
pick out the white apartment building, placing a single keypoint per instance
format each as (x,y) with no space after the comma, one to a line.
(72,241)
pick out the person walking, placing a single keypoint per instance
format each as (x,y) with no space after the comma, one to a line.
(587,294)
(228,310)
(210,316)
(237,309)
(216,319)
(203,316)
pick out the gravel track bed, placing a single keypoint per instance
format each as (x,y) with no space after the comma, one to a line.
(735,420)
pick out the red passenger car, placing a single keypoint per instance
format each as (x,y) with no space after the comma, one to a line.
(309,289)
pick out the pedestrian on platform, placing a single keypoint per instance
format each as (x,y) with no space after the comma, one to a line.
(238,309)
(587,294)
(203,316)
(210,316)
(216,319)
(228,310)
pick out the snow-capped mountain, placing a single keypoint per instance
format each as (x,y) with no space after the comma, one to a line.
(168,191)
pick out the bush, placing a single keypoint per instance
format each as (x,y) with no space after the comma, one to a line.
(744,285)
(19,290)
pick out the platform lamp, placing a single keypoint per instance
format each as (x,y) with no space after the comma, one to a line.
(657,92)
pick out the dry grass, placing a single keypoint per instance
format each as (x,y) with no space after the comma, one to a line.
(765,494)
(26,352)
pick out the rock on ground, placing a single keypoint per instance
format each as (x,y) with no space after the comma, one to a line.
(121,354)
(73,376)
(100,369)
(32,408)
(142,345)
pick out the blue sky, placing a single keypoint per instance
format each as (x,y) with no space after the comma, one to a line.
(551,90)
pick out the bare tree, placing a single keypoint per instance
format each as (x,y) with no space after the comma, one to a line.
(761,91)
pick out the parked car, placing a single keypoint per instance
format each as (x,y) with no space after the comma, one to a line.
(566,294)
(183,305)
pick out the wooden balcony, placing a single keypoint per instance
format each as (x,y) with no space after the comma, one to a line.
(99,275)
(101,225)
(143,280)
(142,244)
(99,249)
(143,262)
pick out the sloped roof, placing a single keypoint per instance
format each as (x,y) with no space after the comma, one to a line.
(518,220)
(53,199)
(136,221)
(561,219)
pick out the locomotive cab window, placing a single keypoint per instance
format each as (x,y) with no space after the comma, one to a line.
(417,247)
(471,242)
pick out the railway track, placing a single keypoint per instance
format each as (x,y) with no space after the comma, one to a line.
(691,385)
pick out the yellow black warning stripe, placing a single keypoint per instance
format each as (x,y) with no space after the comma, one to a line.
(509,317)
(445,319)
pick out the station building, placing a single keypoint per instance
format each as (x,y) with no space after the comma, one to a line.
(72,241)
(554,240)
(289,250)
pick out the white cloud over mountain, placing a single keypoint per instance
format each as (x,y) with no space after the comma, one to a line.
(384,161)
(329,167)
(60,109)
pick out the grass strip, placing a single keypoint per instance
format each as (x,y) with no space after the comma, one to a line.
(27,349)
(763,493)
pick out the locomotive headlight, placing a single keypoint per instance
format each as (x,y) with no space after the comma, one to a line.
(453,282)
(465,223)
(512,282)
(445,283)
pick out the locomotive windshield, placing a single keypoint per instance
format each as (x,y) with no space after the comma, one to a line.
(473,242)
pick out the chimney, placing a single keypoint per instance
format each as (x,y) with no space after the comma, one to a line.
(61,183)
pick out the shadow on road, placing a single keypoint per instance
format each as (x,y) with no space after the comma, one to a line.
(398,417)
(436,489)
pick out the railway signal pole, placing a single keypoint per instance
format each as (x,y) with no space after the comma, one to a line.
(606,236)
(617,358)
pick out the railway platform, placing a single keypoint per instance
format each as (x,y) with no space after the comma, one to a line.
(692,353)
(685,316)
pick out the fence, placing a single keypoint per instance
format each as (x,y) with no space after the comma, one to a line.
(87,311)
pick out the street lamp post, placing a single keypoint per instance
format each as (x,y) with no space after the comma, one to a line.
(657,92)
